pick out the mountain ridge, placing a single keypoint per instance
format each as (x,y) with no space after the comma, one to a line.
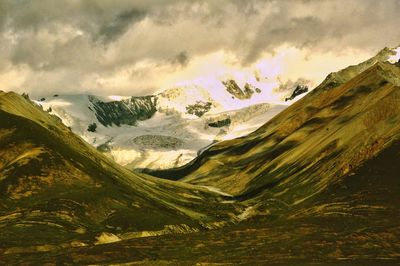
(334,79)
(186,103)
(291,125)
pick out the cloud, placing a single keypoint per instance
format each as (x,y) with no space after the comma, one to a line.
(328,25)
(97,45)
(182,59)
(119,25)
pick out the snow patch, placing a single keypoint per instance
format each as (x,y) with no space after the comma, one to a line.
(396,57)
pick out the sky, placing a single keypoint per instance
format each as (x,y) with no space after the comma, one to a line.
(125,47)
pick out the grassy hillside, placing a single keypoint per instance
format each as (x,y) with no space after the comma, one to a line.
(55,188)
(354,223)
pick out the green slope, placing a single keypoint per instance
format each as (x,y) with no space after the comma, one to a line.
(55,188)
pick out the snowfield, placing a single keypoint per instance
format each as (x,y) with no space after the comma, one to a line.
(171,136)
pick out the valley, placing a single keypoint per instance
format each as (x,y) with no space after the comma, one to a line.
(316,182)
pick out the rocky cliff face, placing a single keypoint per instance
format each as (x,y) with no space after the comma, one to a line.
(124,112)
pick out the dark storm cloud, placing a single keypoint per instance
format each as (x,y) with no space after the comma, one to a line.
(3,11)
(182,58)
(112,30)
(88,38)
(332,25)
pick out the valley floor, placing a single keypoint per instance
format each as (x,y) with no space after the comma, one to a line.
(296,242)
(354,222)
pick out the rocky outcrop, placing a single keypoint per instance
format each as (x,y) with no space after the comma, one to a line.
(199,109)
(124,112)
(220,123)
(300,89)
(233,88)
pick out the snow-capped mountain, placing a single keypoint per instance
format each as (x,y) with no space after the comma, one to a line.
(164,130)
(170,128)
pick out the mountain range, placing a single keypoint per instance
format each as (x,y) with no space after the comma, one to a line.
(317,183)
(164,130)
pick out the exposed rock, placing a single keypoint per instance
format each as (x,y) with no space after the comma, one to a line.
(198,109)
(124,112)
(233,88)
(220,123)
(300,89)
(92,127)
